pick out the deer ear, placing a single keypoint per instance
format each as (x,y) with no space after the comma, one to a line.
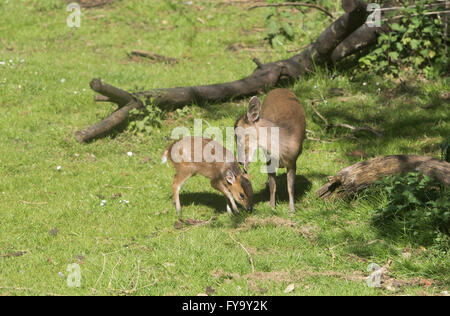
(230,177)
(254,107)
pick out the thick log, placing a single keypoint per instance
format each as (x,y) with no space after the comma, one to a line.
(263,77)
(352,5)
(123,99)
(363,37)
(357,177)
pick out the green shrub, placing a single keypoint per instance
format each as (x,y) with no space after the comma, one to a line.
(417,42)
(280,28)
(144,120)
(417,206)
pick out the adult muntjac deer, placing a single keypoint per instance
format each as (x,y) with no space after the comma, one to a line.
(279,127)
(196,155)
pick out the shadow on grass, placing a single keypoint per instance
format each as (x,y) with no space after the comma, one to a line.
(302,185)
(218,202)
(212,200)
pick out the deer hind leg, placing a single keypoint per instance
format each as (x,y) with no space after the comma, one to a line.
(272,188)
(290,186)
(178,181)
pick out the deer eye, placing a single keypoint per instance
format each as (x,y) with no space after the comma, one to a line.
(241,195)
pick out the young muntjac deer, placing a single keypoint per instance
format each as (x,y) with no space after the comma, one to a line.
(279,127)
(196,155)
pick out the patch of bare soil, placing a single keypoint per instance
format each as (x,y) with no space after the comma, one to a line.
(255,222)
(308,231)
(257,279)
(286,276)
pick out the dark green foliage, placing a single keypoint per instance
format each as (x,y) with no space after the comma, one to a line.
(417,206)
(417,41)
(144,120)
(279,28)
(445,150)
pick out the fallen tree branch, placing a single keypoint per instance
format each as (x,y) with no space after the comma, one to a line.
(123,99)
(292,4)
(363,37)
(359,176)
(353,128)
(6,44)
(248,253)
(153,56)
(263,77)
(33,203)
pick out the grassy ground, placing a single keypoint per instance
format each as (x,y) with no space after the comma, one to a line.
(52,218)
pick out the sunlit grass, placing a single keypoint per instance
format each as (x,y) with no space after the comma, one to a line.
(133,248)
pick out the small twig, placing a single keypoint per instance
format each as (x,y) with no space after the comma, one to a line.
(112,273)
(320,115)
(293,4)
(6,44)
(356,129)
(410,7)
(101,274)
(333,256)
(353,128)
(85,4)
(138,276)
(153,56)
(257,62)
(319,140)
(248,254)
(117,186)
(426,13)
(33,203)
(299,49)
(13,254)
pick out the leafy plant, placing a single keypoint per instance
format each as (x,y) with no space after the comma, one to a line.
(146,119)
(416,205)
(279,28)
(416,41)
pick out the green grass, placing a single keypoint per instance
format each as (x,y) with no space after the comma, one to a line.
(134,249)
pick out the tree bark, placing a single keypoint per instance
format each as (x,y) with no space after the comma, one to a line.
(263,77)
(354,178)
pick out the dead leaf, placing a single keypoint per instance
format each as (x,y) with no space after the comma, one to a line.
(406,253)
(289,288)
(209,290)
(425,282)
(178,225)
(54,231)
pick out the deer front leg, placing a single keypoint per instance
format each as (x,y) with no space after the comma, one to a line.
(220,187)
